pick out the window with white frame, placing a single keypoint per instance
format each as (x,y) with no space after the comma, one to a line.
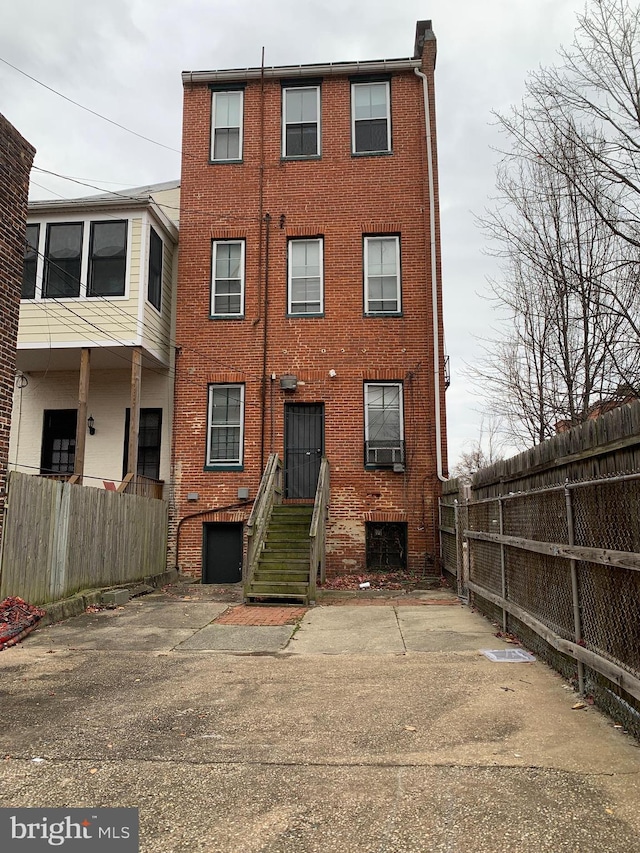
(227,279)
(382,275)
(225,421)
(305,277)
(107,258)
(370,117)
(383,423)
(226,125)
(63,260)
(301,121)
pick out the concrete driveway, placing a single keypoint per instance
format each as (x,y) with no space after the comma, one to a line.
(358,728)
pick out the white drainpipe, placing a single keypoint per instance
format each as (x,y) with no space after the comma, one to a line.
(434,278)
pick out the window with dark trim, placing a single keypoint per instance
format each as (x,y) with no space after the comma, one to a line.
(154,283)
(383,424)
(226,125)
(301,121)
(30,266)
(386,545)
(63,260)
(371,117)
(227,278)
(149,441)
(225,419)
(382,275)
(107,258)
(58,441)
(305,290)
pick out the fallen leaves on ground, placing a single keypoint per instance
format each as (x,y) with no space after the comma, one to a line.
(378,580)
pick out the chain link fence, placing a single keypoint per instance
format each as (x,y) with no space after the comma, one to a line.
(560,568)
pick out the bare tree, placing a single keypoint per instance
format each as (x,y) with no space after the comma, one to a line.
(590,103)
(567,232)
(485,450)
(561,350)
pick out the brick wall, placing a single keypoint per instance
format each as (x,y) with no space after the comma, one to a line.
(341,198)
(16,157)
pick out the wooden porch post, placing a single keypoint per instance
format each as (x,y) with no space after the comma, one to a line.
(134,418)
(81,425)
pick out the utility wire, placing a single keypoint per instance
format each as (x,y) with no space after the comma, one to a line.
(115,307)
(221,215)
(88,110)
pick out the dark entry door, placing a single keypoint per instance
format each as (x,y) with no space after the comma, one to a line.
(149,436)
(58,441)
(222,553)
(303,448)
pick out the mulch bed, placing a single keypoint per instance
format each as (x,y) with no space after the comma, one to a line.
(17,619)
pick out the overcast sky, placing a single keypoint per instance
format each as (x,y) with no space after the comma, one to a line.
(123,58)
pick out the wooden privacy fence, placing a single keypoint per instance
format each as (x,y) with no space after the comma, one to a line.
(60,538)
(552,553)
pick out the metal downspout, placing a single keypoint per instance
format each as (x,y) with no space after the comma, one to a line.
(434,277)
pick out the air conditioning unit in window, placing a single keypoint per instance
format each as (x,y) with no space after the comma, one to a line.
(385,455)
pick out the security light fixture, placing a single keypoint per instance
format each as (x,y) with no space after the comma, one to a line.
(91,425)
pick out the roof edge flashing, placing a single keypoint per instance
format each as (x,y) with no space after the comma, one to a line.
(344,69)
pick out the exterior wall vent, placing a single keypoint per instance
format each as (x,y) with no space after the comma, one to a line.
(288,382)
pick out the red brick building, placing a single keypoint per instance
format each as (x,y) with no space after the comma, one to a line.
(16,157)
(309,306)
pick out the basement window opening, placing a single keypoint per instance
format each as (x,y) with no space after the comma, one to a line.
(386,546)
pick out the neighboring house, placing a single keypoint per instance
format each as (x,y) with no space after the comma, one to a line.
(95,340)
(623,397)
(15,166)
(308,279)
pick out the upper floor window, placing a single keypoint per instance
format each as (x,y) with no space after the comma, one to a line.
(382,275)
(30,262)
(305,277)
(107,258)
(154,282)
(227,280)
(384,426)
(225,425)
(371,117)
(301,121)
(63,260)
(226,125)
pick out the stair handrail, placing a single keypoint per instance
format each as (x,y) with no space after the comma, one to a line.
(318,529)
(269,492)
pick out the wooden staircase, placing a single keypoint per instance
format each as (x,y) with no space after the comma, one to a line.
(282,572)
